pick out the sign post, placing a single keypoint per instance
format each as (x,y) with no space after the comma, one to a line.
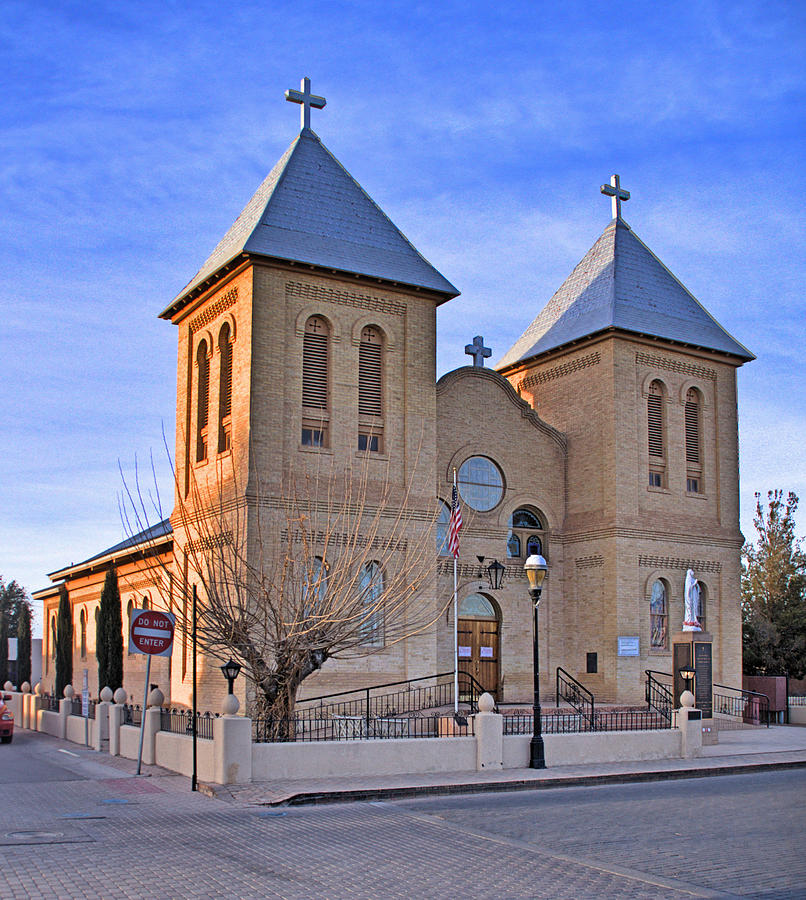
(85,706)
(152,633)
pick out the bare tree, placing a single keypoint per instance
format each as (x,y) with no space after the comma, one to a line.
(338,565)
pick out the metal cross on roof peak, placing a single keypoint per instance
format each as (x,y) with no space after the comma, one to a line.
(307,100)
(616,193)
(478,351)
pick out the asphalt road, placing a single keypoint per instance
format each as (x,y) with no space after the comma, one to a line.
(73,826)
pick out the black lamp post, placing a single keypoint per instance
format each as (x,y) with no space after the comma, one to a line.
(536,568)
(687,674)
(231,671)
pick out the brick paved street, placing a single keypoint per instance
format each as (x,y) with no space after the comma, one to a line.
(88,829)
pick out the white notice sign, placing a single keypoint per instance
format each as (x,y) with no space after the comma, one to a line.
(628,646)
(486,652)
(465,652)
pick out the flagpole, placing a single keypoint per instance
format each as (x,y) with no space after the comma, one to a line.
(455,624)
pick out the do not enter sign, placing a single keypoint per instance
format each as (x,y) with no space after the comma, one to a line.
(152,632)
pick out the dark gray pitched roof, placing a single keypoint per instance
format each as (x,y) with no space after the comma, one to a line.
(620,283)
(153,533)
(310,209)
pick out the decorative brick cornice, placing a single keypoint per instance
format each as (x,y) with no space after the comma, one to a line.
(574,365)
(590,562)
(214,310)
(674,365)
(674,562)
(342,539)
(344,298)
(473,571)
(208,542)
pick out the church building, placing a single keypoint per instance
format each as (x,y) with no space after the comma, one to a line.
(605,440)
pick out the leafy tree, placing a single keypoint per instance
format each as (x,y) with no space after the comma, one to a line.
(24,644)
(774,591)
(64,644)
(13,600)
(109,635)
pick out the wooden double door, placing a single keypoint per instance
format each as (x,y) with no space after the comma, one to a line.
(478,652)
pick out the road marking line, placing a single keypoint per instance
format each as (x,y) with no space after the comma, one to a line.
(69,753)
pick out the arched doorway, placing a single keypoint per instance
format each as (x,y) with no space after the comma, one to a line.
(478,631)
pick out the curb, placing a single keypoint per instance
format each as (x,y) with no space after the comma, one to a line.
(403,793)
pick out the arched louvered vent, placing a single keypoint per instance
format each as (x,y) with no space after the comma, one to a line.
(692,427)
(224,388)
(655,419)
(370,373)
(314,364)
(202,401)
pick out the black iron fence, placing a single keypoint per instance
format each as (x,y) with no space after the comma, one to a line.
(357,728)
(180,721)
(132,714)
(76,708)
(574,723)
(50,702)
(658,693)
(575,694)
(411,696)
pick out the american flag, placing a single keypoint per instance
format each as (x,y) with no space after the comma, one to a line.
(455,525)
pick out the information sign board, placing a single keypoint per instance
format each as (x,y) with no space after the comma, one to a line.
(628,646)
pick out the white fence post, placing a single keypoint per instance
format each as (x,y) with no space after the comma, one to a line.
(690,727)
(65,708)
(489,730)
(115,721)
(232,745)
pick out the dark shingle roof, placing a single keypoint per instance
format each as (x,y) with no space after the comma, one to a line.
(309,209)
(620,283)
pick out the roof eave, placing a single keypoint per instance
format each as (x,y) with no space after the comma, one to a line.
(613,329)
(150,546)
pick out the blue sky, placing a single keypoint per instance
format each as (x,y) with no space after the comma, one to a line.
(134,134)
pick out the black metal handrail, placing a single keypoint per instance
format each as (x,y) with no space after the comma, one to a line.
(659,696)
(751,707)
(393,703)
(576,694)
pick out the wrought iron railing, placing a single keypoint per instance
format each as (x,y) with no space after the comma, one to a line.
(749,707)
(796,701)
(356,728)
(180,721)
(50,702)
(374,702)
(76,708)
(132,714)
(658,695)
(573,723)
(576,694)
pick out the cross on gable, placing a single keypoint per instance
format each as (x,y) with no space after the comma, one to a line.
(307,100)
(478,351)
(616,193)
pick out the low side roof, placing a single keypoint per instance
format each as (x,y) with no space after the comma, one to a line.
(620,283)
(309,209)
(154,533)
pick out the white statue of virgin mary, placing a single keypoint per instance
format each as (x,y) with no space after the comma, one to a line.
(692,603)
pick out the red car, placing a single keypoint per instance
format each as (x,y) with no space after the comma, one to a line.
(6,721)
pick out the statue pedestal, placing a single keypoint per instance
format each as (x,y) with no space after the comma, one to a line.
(692,649)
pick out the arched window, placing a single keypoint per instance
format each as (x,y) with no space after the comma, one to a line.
(145,603)
(443,521)
(202,400)
(656,436)
(658,616)
(525,534)
(82,622)
(315,364)
(225,389)
(370,390)
(53,638)
(129,608)
(693,442)
(476,606)
(371,586)
(481,484)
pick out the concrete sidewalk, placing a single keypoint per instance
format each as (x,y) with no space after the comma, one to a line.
(738,751)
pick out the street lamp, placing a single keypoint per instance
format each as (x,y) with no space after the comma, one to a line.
(687,674)
(231,671)
(536,568)
(495,573)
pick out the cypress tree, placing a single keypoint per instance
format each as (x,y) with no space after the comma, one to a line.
(3,641)
(23,643)
(64,644)
(109,635)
